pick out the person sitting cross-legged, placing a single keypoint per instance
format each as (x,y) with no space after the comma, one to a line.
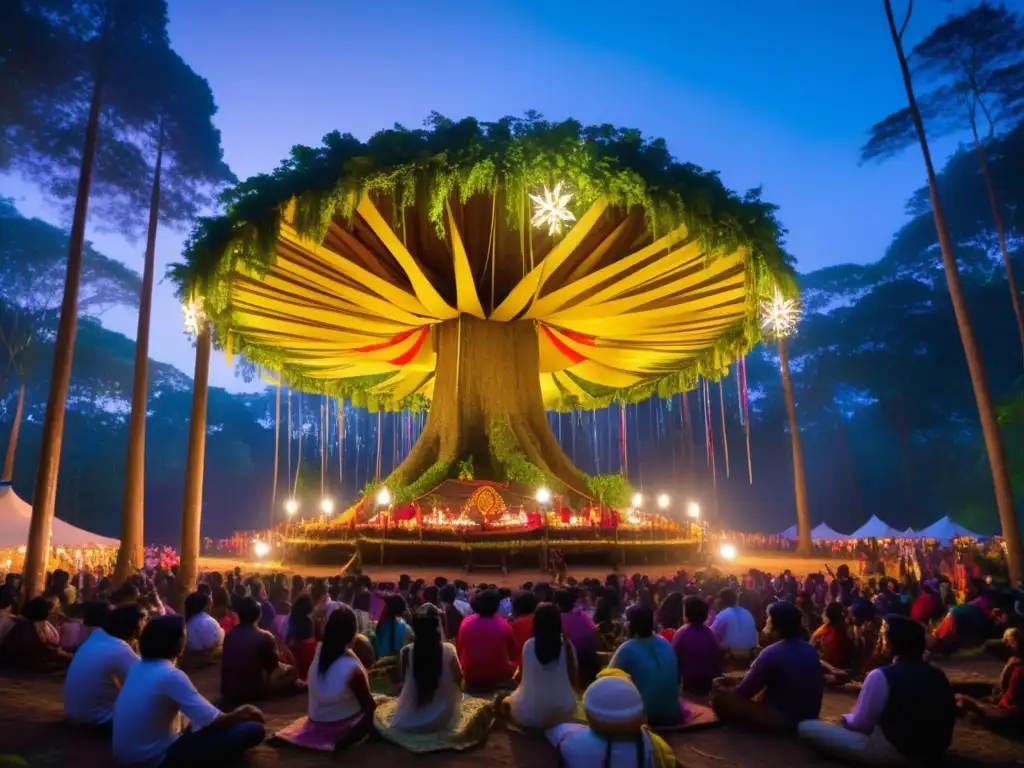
(487,646)
(547,675)
(251,664)
(205,637)
(735,629)
(1005,710)
(905,711)
(100,666)
(147,726)
(651,663)
(696,649)
(784,685)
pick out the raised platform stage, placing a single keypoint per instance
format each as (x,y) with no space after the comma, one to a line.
(520,549)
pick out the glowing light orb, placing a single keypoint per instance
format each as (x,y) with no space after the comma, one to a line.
(383,497)
(549,209)
(291,506)
(193,315)
(663,501)
(543,496)
(326,506)
(728,552)
(260,548)
(779,315)
(693,510)
(638,500)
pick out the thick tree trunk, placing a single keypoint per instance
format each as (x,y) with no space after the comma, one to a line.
(192,506)
(277,452)
(803,512)
(130,554)
(487,374)
(997,217)
(975,364)
(44,498)
(12,441)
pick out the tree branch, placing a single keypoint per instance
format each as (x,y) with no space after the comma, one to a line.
(906,20)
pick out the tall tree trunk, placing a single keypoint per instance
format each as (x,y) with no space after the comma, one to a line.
(803,512)
(997,217)
(975,364)
(12,441)
(131,553)
(192,506)
(277,451)
(44,498)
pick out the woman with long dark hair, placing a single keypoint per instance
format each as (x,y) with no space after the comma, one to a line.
(433,677)
(300,636)
(340,710)
(547,675)
(392,631)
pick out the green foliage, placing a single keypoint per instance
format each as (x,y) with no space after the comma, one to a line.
(506,451)
(508,159)
(611,490)
(465,469)
(433,477)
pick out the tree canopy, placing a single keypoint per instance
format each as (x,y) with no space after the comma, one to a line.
(414,227)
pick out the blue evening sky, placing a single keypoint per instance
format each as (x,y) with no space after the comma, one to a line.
(778,94)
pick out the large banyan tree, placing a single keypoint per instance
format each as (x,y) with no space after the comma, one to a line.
(488,271)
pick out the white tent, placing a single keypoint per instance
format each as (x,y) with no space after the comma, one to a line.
(910,533)
(16,516)
(820,532)
(875,529)
(947,530)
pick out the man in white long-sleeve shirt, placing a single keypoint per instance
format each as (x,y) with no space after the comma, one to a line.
(905,711)
(734,627)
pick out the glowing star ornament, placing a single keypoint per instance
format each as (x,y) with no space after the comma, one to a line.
(549,209)
(779,315)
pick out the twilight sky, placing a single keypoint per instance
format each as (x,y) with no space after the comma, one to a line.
(777,94)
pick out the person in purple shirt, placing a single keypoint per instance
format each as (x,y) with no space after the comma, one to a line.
(786,674)
(581,631)
(267,612)
(696,648)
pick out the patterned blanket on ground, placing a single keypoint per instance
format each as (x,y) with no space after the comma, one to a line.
(468,728)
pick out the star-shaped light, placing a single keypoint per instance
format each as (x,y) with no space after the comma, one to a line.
(779,314)
(549,208)
(193,315)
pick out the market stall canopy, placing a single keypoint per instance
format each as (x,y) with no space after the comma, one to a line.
(875,529)
(947,530)
(16,517)
(910,533)
(789,533)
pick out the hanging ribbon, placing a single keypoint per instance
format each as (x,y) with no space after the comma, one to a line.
(711,438)
(623,457)
(746,418)
(707,426)
(725,432)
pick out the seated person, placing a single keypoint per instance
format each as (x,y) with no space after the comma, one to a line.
(651,664)
(582,633)
(547,675)
(487,647)
(670,615)
(615,735)
(340,707)
(523,606)
(392,632)
(33,642)
(832,639)
(147,726)
(299,636)
(1005,710)
(221,609)
(98,670)
(787,675)
(904,713)
(696,647)
(204,636)
(735,629)
(251,667)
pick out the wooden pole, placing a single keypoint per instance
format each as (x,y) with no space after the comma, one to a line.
(192,506)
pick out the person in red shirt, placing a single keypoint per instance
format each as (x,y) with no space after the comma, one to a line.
(1005,711)
(927,606)
(832,639)
(523,606)
(487,646)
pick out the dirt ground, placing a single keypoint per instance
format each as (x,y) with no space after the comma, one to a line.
(33,732)
(770,562)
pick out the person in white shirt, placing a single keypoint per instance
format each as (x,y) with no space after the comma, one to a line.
(734,627)
(547,675)
(147,713)
(205,635)
(101,665)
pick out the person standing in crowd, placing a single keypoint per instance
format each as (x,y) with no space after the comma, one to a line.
(147,727)
(905,712)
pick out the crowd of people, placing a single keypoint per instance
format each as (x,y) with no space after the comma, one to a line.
(602,667)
